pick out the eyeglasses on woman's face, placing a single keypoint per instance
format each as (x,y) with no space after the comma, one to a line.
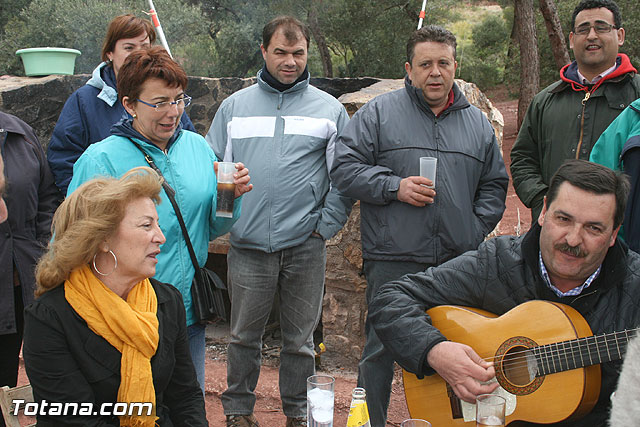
(163,107)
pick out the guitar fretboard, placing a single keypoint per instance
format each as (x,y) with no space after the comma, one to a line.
(581,352)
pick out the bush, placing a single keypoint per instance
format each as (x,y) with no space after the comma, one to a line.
(484,62)
(82,25)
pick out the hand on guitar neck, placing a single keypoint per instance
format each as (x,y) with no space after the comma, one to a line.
(462,369)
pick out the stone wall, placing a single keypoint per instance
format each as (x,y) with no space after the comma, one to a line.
(38,101)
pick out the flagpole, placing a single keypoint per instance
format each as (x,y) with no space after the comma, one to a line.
(422,13)
(156,23)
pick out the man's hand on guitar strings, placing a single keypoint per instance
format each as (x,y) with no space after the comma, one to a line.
(462,369)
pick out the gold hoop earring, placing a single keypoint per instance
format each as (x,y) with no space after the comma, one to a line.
(114,267)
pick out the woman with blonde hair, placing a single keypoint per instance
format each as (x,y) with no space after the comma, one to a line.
(101,332)
(152,88)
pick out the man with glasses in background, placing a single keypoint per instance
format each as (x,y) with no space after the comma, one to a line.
(566,119)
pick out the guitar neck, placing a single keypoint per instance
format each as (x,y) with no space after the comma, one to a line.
(582,352)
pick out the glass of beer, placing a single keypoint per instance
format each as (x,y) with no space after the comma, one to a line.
(490,409)
(226,189)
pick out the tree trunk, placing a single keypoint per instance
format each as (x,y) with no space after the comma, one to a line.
(554,31)
(525,22)
(318,35)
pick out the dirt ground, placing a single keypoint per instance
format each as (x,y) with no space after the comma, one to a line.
(268,410)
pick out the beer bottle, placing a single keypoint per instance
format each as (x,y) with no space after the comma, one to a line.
(358,413)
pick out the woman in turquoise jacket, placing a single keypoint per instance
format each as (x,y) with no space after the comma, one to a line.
(151,87)
(618,148)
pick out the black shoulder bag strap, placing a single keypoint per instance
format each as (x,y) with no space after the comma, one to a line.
(171,195)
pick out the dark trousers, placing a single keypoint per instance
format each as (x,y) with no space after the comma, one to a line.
(375,370)
(10,347)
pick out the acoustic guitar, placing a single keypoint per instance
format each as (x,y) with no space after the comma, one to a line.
(545,356)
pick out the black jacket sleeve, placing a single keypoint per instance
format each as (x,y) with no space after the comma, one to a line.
(397,312)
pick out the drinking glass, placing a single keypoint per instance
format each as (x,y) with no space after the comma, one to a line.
(490,410)
(226,189)
(414,422)
(428,169)
(320,400)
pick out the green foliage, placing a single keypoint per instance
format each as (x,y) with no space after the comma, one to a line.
(631,22)
(490,36)
(237,50)
(370,37)
(235,31)
(10,8)
(365,37)
(354,26)
(82,25)
(483,60)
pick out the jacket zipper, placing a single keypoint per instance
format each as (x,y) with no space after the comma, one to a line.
(584,107)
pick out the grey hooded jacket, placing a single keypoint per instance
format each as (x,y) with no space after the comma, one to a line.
(382,144)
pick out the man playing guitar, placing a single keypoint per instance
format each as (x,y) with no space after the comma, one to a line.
(571,257)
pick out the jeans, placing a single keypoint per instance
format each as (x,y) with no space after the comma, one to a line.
(297,274)
(197,348)
(375,370)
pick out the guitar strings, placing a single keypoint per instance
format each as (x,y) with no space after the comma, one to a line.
(546,364)
(547,353)
(551,355)
(558,354)
(607,337)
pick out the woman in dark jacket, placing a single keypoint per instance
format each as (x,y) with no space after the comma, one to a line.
(31,197)
(90,111)
(101,334)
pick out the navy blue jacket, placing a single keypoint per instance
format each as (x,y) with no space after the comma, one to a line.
(87,117)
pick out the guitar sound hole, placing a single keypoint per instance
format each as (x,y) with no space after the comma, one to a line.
(518,366)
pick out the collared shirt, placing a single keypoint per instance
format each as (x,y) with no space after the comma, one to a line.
(597,78)
(449,103)
(571,292)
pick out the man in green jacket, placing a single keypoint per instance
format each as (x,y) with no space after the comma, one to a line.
(565,119)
